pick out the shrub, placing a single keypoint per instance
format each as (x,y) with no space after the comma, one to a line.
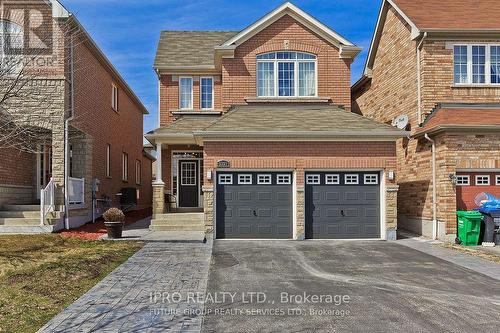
(114,215)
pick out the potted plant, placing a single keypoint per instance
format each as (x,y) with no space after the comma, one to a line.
(114,220)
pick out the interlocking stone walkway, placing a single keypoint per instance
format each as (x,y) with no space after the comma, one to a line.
(141,295)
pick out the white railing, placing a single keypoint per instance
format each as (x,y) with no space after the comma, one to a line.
(76,191)
(47,200)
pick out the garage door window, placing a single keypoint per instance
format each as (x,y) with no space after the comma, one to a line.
(332,179)
(244,179)
(463,180)
(264,179)
(497,180)
(351,179)
(371,179)
(482,180)
(284,179)
(226,179)
(312,179)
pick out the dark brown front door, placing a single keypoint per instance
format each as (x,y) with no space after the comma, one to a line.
(188,183)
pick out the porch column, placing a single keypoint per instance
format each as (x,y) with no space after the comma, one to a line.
(158,185)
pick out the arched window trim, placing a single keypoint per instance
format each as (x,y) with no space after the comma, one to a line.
(276,71)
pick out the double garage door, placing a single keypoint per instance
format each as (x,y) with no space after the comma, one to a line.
(260,205)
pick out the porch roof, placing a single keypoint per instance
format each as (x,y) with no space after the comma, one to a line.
(180,131)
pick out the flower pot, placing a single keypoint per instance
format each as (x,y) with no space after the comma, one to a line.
(114,229)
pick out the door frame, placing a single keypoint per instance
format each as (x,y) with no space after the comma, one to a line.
(215,183)
(177,187)
(382,187)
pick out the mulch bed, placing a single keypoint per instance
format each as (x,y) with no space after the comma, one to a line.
(97,229)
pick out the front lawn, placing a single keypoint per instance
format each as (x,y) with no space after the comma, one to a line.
(40,275)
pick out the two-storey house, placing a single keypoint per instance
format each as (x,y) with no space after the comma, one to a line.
(87,154)
(256,140)
(433,66)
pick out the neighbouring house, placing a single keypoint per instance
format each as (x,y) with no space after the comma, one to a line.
(434,67)
(89,153)
(256,138)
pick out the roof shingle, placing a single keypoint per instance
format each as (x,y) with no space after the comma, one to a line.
(189,48)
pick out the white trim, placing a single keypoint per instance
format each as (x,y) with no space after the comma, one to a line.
(108,160)
(332,181)
(296,13)
(114,97)
(351,182)
(294,205)
(213,92)
(465,180)
(192,92)
(285,179)
(138,172)
(243,181)
(383,195)
(227,181)
(481,176)
(313,179)
(124,166)
(497,179)
(368,181)
(264,179)
(200,203)
(487,65)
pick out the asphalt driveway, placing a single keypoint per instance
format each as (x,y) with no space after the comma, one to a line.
(338,286)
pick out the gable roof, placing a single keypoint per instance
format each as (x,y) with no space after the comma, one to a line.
(451,14)
(288,9)
(437,17)
(189,48)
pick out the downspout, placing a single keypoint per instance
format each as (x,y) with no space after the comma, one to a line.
(419,79)
(434,194)
(66,136)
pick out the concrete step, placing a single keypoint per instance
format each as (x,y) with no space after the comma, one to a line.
(176,227)
(28,230)
(19,221)
(30,208)
(19,213)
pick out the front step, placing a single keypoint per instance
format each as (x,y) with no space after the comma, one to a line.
(29,208)
(178,222)
(5,230)
(20,221)
(15,213)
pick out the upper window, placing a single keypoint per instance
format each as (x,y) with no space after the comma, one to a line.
(186,92)
(114,97)
(207,93)
(476,64)
(11,44)
(286,74)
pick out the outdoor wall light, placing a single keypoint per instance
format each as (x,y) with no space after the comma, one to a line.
(391,175)
(209,174)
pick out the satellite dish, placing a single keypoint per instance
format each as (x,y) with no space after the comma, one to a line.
(401,121)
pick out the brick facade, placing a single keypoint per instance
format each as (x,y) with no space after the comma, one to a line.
(392,91)
(238,78)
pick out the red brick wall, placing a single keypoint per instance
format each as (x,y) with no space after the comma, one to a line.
(239,74)
(17,168)
(123,130)
(301,155)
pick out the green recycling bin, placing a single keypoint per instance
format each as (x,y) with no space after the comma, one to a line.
(469,227)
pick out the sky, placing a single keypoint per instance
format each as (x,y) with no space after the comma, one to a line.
(128,30)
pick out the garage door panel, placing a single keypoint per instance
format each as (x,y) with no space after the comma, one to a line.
(342,210)
(265,210)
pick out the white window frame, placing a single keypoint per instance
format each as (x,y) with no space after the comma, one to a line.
(284,179)
(124,166)
(463,180)
(243,179)
(264,179)
(497,179)
(225,179)
(351,182)
(138,172)
(332,179)
(481,176)
(108,160)
(192,92)
(371,179)
(487,64)
(114,97)
(295,78)
(313,179)
(213,92)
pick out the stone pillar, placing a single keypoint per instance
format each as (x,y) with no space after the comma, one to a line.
(158,185)
(300,214)
(391,212)
(208,208)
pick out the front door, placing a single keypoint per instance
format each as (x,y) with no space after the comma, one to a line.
(188,183)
